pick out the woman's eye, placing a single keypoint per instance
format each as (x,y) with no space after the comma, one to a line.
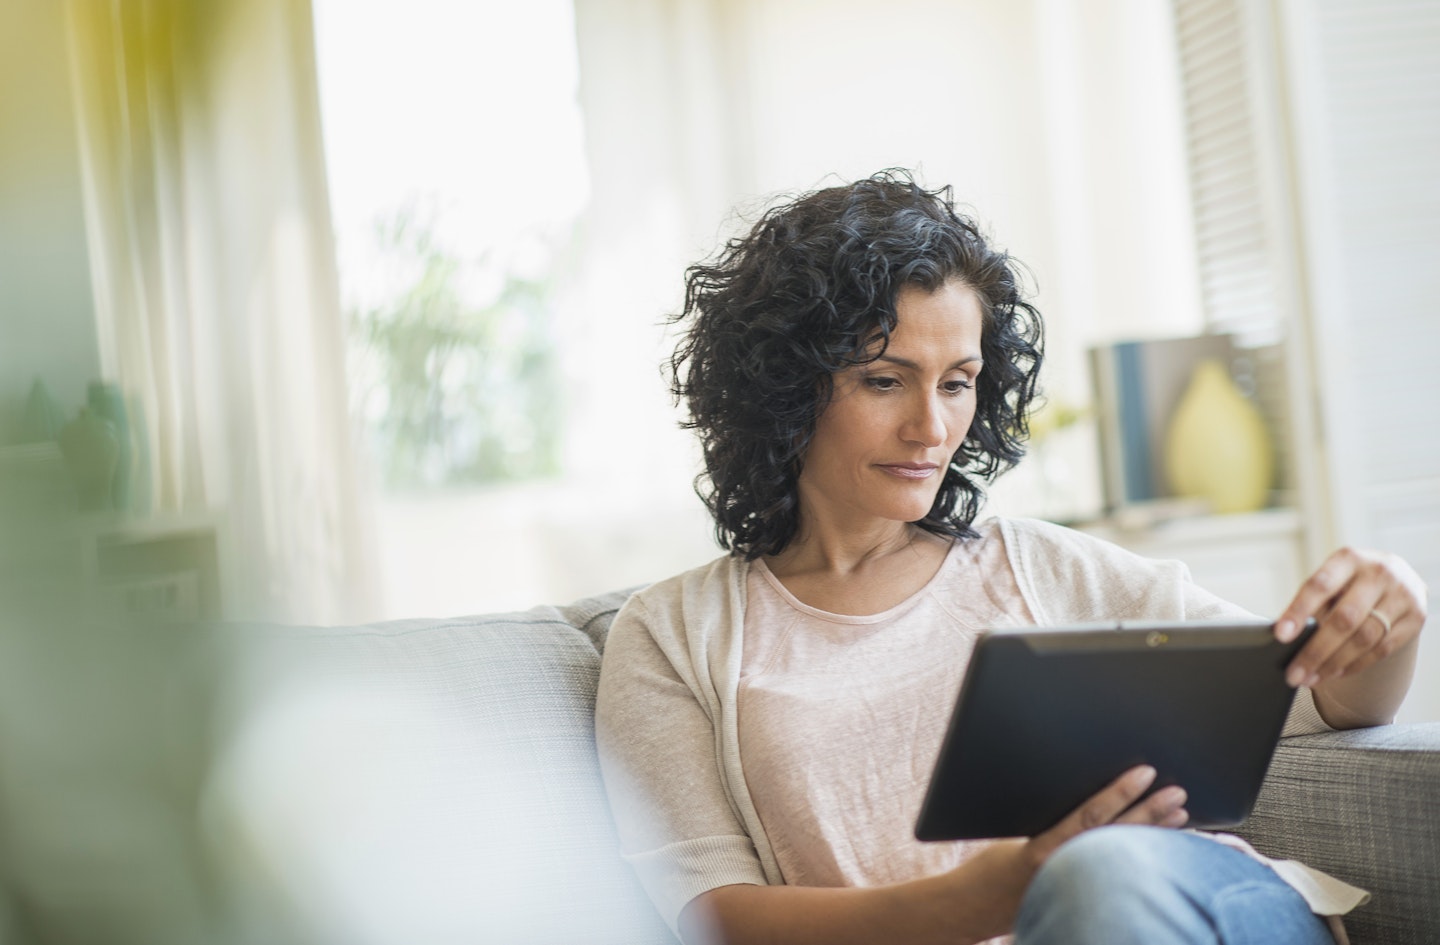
(957,386)
(881,383)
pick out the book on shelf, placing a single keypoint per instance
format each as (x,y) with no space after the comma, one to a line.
(1137,385)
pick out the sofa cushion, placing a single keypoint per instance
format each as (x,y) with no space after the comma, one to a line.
(453,787)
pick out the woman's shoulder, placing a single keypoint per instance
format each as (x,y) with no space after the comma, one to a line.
(1036,538)
(1075,576)
(711,577)
(1041,532)
(677,628)
(668,607)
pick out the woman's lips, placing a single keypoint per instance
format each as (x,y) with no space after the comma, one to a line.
(910,470)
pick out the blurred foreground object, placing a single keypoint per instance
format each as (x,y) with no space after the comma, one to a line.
(105,733)
(427,781)
(91,448)
(173,781)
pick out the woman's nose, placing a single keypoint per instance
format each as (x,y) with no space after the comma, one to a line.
(926,424)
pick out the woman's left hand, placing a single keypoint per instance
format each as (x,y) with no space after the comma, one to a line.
(1369,605)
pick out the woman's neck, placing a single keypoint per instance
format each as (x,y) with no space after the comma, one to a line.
(840,553)
(859,574)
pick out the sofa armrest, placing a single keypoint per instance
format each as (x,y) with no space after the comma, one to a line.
(1364,806)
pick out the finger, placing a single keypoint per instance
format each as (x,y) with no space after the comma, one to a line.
(1111,801)
(1317,590)
(1159,809)
(1373,640)
(1346,624)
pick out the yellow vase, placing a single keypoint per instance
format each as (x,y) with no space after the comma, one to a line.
(1217,447)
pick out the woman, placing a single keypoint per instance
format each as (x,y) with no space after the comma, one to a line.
(858,367)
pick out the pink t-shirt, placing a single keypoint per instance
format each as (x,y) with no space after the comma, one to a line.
(841,717)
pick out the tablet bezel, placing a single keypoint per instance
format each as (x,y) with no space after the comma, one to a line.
(1046,717)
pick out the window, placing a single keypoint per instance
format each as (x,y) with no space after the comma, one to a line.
(457,173)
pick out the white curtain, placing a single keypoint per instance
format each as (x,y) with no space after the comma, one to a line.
(216,291)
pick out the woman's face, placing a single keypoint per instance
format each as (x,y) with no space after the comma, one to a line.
(882,445)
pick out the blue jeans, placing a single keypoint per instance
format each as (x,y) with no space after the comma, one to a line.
(1129,884)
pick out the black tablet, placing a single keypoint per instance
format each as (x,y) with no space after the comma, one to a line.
(1048,717)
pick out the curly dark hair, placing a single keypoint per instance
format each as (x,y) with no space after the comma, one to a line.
(810,291)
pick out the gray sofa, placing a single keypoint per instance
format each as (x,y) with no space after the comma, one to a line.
(520,688)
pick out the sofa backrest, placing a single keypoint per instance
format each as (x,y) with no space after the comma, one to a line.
(459,777)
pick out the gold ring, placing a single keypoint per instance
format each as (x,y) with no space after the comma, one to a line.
(1384,620)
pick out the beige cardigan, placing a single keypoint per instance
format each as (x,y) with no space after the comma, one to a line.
(666,720)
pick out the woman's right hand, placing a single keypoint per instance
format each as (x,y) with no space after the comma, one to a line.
(1115,804)
(993,882)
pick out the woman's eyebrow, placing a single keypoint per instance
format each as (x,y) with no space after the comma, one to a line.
(907,363)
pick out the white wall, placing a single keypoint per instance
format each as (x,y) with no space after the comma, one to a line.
(1366,109)
(1056,120)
